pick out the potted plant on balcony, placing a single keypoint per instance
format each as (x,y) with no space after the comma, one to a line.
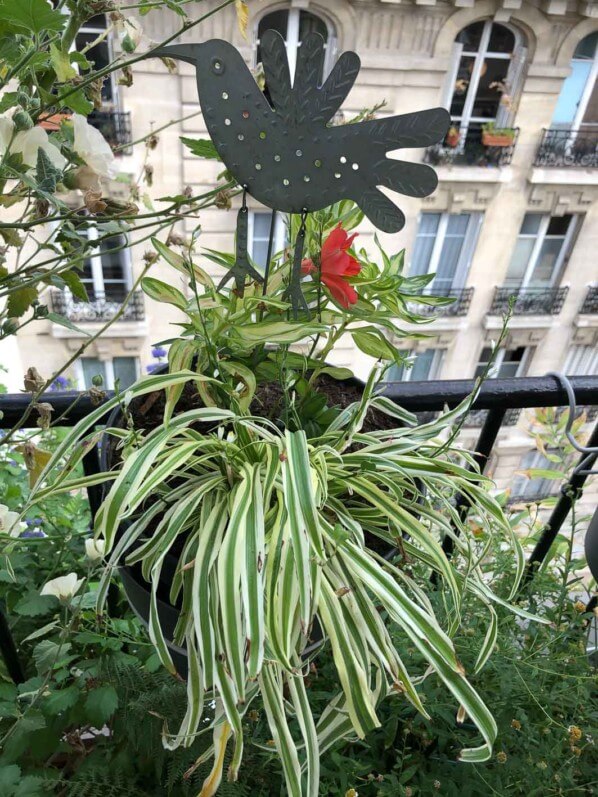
(452,137)
(493,136)
(266,508)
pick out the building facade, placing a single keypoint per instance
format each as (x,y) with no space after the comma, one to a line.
(515,213)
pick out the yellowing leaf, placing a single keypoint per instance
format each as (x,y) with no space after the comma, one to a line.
(36,460)
(61,64)
(242,17)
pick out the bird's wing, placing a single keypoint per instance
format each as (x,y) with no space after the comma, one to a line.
(276,70)
(338,84)
(419,129)
(379,209)
(310,61)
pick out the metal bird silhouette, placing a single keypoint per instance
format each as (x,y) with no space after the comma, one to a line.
(283,151)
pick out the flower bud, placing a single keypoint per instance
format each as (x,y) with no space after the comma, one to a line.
(22,120)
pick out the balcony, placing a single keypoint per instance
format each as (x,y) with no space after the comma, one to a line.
(473,147)
(477,418)
(590,303)
(459,307)
(100,307)
(528,301)
(115,126)
(562,148)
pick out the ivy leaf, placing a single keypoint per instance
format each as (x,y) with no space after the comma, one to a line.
(46,173)
(61,700)
(62,64)
(48,654)
(36,16)
(101,704)
(202,147)
(20,301)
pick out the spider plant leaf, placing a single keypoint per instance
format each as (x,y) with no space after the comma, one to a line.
(306,722)
(271,689)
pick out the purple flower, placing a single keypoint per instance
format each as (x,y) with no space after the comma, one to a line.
(158,352)
(152,367)
(60,383)
(32,533)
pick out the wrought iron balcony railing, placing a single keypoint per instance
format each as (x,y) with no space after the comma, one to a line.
(472,146)
(528,301)
(568,147)
(115,126)
(100,307)
(590,303)
(459,307)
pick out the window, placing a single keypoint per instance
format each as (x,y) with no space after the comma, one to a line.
(444,246)
(507,362)
(259,235)
(581,361)
(534,487)
(100,54)
(426,365)
(293,25)
(106,273)
(577,104)
(120,369)
(542,245)
(487,74)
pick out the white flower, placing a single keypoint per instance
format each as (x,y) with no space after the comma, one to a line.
(27,142)
(94,549)
(91,145)
(63,587)
(9,522)
(6,128)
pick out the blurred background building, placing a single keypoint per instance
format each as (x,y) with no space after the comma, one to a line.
(515,213)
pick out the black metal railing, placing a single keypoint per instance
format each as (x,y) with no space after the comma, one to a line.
(528,301)
(115,126)
(459,307)
(99,307)
(590,303)
(568,147)
(477,418)
(469,146)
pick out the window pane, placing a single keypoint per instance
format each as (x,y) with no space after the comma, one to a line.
(428,223)
(587,47)
(470,37)
(531,223)
(422,365)
(462,82)
(558,225)
(511,364)
(396,373)
(519,262)
(125,371)
(487,99)
(544,271)
(502,40)
(276,20)
(309,23)
(449,260)
(582,361)
(483,361)
(92,366)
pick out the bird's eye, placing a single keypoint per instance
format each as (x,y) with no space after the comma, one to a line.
(217,66)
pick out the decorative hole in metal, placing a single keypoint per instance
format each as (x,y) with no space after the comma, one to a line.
(262,134)
(355,166)
(225,95)
(227,122)
(301,113)
(241,137)
(258,166)
(306,178)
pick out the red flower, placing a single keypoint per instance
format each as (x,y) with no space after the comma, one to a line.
(336,266)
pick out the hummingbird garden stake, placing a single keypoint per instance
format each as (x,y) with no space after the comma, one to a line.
(282,150)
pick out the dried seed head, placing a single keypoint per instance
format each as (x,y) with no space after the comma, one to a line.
(33,380)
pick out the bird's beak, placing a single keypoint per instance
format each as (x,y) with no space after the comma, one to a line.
(180,52)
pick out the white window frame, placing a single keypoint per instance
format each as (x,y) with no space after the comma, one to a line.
(292,41)
(499,359)
(469,244)
(108,368)
(435,365)
(588,89)
(480,56)
(278,244)
(97,271)
(540,236)
(94,29)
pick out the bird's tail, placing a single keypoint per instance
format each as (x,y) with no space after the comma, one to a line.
(179,52)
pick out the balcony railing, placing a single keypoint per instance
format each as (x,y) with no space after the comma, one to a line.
(100,307)
(590,303)
(528,301)
(115,126)
(459,307)
(477,418)
(569,148)
(471,148)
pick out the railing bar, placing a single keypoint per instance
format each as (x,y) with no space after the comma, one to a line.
(483,449)
(570,492)
(91,466)
(9,651)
